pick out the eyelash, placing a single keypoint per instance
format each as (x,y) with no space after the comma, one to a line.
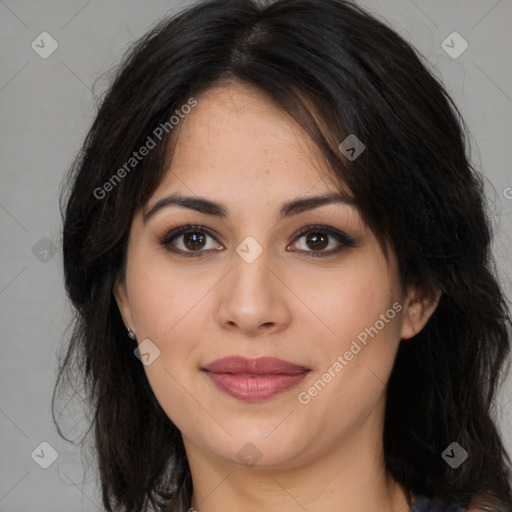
(344,240)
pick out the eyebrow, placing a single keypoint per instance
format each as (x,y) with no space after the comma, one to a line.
(208,207)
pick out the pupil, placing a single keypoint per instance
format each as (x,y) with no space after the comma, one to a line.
(194,239)
(315,237)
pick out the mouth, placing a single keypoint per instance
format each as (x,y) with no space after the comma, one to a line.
(254,380)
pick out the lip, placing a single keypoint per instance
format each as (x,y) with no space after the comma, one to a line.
(254,380)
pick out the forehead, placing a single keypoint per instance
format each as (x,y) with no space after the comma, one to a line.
(237,135)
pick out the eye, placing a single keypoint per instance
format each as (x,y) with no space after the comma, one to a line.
(192,240)
(318,238)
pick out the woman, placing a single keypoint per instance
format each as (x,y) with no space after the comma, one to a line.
(279,256)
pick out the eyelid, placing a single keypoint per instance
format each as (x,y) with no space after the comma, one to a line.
(344,240)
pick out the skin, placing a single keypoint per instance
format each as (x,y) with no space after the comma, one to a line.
(239,149)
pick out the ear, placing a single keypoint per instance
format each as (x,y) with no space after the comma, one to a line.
(418,308)
(121,296)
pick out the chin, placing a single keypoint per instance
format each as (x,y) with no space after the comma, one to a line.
(262,446)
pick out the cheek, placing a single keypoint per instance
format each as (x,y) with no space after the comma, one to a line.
(349,300)
(360,309)
(164,304)
(163,295)
(361,333)
(169,304)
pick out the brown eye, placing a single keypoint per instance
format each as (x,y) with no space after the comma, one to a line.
(318,238)
(317,241)
(194,240)
(190,241)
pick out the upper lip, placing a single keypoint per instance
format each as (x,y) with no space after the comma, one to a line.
(259,366)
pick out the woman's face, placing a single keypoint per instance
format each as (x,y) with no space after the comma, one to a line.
(249,284)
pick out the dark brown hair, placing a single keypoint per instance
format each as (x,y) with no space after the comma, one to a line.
(320,60)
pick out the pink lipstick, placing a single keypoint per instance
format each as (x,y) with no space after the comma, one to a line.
(254,380)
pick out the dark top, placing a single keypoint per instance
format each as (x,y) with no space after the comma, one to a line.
(423,504)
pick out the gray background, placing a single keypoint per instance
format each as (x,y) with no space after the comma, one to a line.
(47,106)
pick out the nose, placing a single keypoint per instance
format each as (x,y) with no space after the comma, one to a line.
(254,298)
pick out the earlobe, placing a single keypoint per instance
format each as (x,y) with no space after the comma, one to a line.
(417,311)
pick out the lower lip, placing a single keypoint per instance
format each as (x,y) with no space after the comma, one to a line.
(255,388)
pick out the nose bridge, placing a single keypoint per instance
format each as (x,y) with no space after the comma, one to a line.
(251,265)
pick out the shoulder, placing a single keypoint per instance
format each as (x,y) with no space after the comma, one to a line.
(477,508)
(424,504)
(482,504)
